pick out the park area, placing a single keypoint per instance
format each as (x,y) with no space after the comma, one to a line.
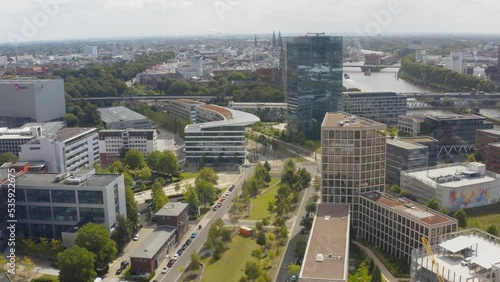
(261,203)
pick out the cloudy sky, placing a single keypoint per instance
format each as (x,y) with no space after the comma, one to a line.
(35,20)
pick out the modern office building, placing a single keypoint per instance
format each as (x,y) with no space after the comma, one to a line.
(49,204)
(152,252)
(112,142)
(70,149)
(175,215)
(454,186)
(493,158)
(455,134)
(384,107)
(404,155)
(123,118)
(219,141)
(36,99)
(409,125)
(193,69)
(184,109)
(353,159)
(431,143)
(327,252)
(265,111)
(465,255)
(396,226)
(90,51)
(12,139)
(488,147)
(312,80)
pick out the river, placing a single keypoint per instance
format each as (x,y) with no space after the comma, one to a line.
(378,81)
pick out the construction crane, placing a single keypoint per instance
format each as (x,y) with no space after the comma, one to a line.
(430,253)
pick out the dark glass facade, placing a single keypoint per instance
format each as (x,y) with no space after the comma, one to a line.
(312,81)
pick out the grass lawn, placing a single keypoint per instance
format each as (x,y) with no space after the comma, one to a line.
(189,175)
(261,203)
(484,221)
(232,264)
(49,277)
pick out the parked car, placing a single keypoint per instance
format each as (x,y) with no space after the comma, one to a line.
(170,263)
(119,271)
(136,237)
(188,242)
(176,257)
(193,235)
(164,270)
(216,207)
(179,252)
(222,200)
(124,264)
(184,247)
(227,193)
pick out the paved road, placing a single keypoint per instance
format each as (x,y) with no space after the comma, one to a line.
(289,256)
(173,274)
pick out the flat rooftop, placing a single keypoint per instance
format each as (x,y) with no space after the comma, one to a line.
(490,131)
(189,102)
(120,113)
(226,113)
(409,208)
(455,117)
(67,134)
(46,180)
(240,118)
(419,139)
(404,144)
(154,242)
(488,254)
(428,176)
(372,94)
(327,249)
(345,120)
(171,209)
(48,128)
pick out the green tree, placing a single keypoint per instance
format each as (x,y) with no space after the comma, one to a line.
(443,210)
(145,173)
(461,216)
(376,275)
(492,229)
(177,187)
(264,277)
(261,239)
(207,174)
(191,197)
(3,262)
(206,191)
(160,199)
(471,158)
(300,247)
(310,208)
(371,265)
(131,205)
(153,158)
(403,193)
(168,163)
(267,166)
(71,120)
(76,264)
(432,204)
(123,232)
(8,157)
(195,261)
(96,239)
(28,264)
(134,159)
(293,269)
(252,270)
(317,183)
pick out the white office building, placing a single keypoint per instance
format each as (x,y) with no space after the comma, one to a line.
(454,186)
(70,149)
(123,118)
(112,142)
(12,139)
(38,100)
(90,51)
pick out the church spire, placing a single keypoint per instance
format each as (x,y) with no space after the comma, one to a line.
(280,42)
(274,39)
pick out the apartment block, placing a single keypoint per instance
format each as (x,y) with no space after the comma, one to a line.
(353,159)
(49,204)
(70,149)
(397,226)
(454,186)
(384,107)
(184,109)
(113,142)
(404,155)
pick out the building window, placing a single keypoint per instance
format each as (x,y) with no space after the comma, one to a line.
(90,197)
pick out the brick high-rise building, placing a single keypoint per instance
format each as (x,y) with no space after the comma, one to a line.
(353,159)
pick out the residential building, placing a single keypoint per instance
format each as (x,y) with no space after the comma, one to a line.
(12,139)
(49,204)
(454,186)
(90,51)
(493,158)
(409,125)
(220,138)
(353,159)
(456,133)
(327,252)
(175,215)
(404,155)
(312,80)
(396,226)
(184,109)
(36,99)
(487,145)
(70,149)
(112,142)
(465,255)
(384,107)
(152,252)
(123,118)
(431,143)
(265,111)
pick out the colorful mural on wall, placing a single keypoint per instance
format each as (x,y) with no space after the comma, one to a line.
(469,198)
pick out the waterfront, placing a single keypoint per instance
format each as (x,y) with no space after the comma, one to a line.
(378,81)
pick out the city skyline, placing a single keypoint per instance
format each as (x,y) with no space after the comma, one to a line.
(82,19)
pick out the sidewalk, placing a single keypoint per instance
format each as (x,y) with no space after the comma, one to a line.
(385,272)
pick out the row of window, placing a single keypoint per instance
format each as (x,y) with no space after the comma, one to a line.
(59,196)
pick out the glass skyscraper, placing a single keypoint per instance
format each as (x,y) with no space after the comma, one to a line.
(312,80)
